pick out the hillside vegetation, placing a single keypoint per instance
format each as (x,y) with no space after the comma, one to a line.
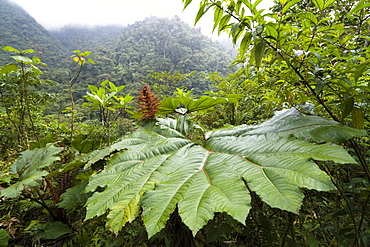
(150,139)
(127,55)
(22,31)
(124,55)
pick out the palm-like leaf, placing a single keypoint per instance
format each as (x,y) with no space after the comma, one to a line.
(29,168)
(292,122)
(159,169)
(128,173)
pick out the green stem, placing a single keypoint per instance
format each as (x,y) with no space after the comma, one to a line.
(361,157)
(288,229)
(364,209)
(22,111)
(351,214)
(32,123)
(27,104)
(71,82)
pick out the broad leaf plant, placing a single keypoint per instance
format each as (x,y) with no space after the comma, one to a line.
(309,50)
(312,51)
(160,168)
(157,168)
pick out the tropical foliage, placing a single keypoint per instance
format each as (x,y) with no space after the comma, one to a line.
(160,168)
(20,98)
(127,56)
(273,154)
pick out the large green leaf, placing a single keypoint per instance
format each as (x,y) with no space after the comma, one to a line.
(168,105)
(276,169)
(259,51)
(293,122)
(319,4)
(8,68)
(201,183)
(9,48)
(4,238)
(288,5)
(22,59)
(73,197)
(127,173)
(52,230)
(203,102)
(29,168)
(160,169)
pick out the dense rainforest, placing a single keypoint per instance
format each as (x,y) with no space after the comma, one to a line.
(126,55)
(154,135)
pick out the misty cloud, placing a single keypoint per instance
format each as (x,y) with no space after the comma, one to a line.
(56,14)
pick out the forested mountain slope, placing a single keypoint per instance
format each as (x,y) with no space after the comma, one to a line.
(126,56)
(170,44)
(21,31)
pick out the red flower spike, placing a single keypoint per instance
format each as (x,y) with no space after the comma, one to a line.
(148,103)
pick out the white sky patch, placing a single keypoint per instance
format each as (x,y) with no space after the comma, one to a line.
(54,14)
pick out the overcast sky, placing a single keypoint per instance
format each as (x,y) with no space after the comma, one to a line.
(54,14)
